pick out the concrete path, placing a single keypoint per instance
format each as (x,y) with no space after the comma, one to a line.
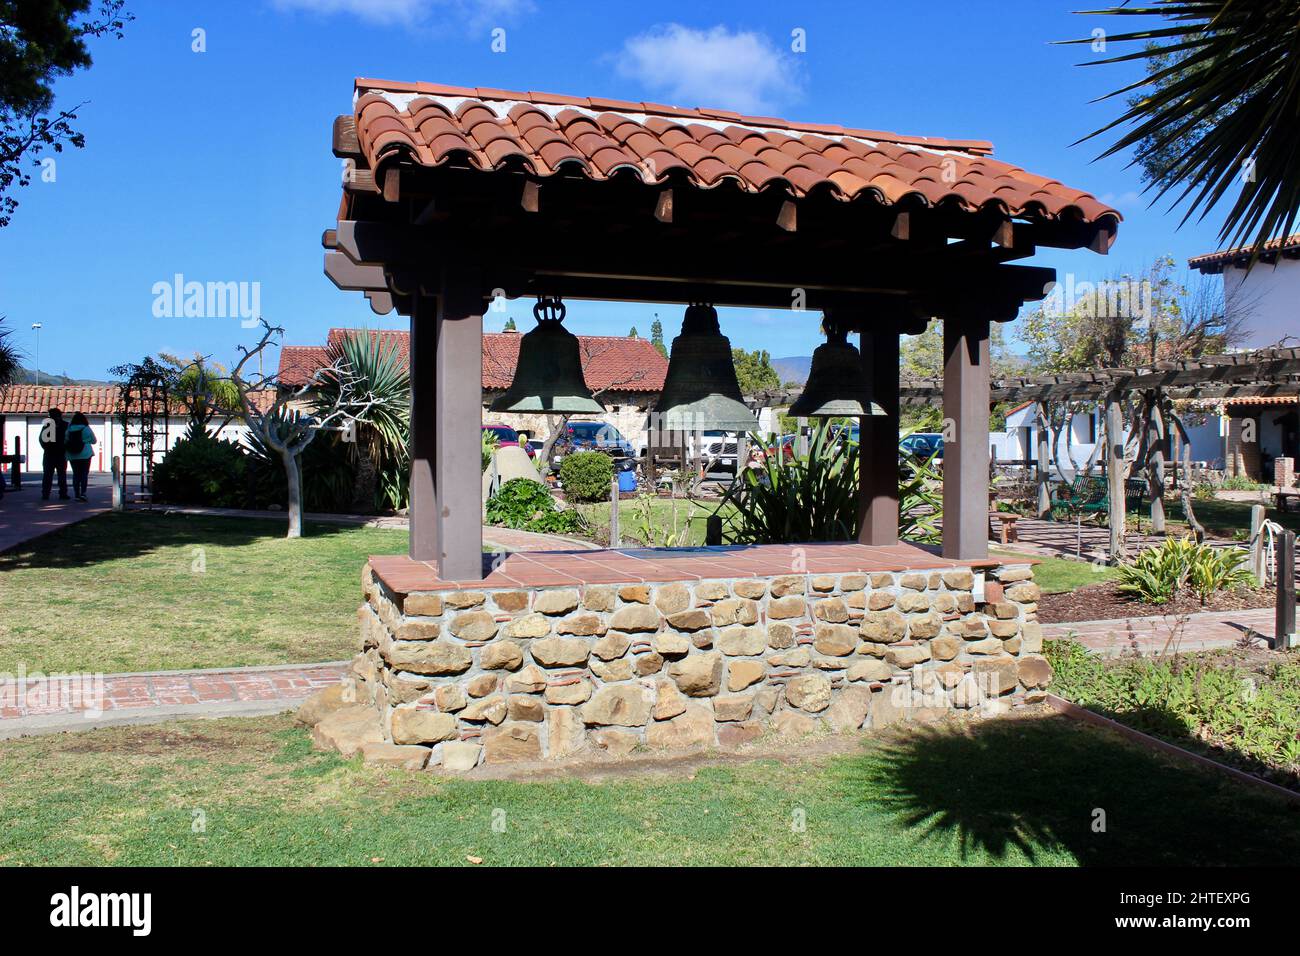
(35,704)
(24,516)
(1156,635)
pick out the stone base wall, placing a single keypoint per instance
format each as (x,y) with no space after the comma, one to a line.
(499,675)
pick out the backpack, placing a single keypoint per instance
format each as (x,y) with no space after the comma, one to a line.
(75,441)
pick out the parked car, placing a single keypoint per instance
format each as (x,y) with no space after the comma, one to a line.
(923,445)
(591,436)
(714,446)
(508,436)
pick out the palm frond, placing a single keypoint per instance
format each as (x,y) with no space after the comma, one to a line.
(1232,96)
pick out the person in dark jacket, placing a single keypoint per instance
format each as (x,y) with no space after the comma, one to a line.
(77,445)
(53,438)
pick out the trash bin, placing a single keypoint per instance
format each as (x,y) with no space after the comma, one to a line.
(627,480)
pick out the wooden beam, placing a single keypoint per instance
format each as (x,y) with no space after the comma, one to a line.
(458,380)
(902,228)
(966,433)
(528,199)
(878,441)
(424,431)
(345,136)
(787,217)
(664,205)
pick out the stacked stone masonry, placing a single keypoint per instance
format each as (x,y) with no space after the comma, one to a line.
(464,677)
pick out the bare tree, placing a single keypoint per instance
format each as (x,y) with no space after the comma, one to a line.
(287,431)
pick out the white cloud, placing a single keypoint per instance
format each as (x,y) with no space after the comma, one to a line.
(742,71)
(474,14)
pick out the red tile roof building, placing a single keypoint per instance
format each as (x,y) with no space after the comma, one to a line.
(609,363)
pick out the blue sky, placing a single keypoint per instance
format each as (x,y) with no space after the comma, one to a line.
(217,164)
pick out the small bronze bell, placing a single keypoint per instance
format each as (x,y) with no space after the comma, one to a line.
(548,374)
(700,390)
(836,386)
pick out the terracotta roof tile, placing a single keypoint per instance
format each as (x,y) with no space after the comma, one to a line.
(1241,254)
(38,399)
(548,131)
(608,362)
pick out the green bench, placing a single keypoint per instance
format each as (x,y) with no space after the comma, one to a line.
(1088,495)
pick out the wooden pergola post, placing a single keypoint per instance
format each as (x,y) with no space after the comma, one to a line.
(878,440)
(966,427)
(423,502)
(458,381)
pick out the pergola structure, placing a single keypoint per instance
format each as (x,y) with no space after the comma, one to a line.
(455,196)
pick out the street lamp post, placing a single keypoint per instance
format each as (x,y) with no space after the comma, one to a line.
(36,327)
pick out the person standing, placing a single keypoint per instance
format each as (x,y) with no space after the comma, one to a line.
(77,444)
(54,431)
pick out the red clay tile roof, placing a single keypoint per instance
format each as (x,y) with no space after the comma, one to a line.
(38,399)
(548,133)
(1209,261)
(609,362)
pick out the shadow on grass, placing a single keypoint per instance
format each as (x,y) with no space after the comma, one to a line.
(111,536)
(1022,784)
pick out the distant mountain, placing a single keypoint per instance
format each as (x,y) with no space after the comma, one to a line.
(793,369)
(27,376)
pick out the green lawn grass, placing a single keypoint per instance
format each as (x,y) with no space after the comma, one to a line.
(140,591)
(689,522)
(252,792)
(1057,575)
(1226,519)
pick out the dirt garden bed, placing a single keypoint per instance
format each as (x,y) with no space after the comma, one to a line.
(1104,602)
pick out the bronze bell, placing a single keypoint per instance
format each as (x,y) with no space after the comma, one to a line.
(548,374)
(700,390)
(837,386)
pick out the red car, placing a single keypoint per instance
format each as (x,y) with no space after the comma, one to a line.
(508,436)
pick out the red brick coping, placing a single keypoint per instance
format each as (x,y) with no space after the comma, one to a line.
(640,565)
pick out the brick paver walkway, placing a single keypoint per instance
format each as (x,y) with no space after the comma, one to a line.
(32,703)
(1153,635)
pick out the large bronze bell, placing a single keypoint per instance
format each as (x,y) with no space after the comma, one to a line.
(836,386)
(548,374)
(700,391)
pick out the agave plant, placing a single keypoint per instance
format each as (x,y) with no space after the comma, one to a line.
(379,383)
(1218,108)
(815,497)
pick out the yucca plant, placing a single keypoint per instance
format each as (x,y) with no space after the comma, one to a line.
(379,386)
(1217,109)
(9,358)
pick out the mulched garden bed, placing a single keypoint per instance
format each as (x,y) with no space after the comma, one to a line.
(1105,602)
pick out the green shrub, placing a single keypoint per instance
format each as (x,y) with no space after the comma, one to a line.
(490,442)
(527,505)
(1204,491)
(586,476)
(1201,701)
(1157,574)
(1242,483)
(202,470)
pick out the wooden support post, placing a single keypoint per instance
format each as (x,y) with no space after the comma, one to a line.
(966,432)
(878,440)
(423,511)
(713,530)
(801,438)
(1258,567)
(459,381)
(615,539)
(1115,475)
(1159,440)
(1284,627)
(1044,509)
(119,502)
